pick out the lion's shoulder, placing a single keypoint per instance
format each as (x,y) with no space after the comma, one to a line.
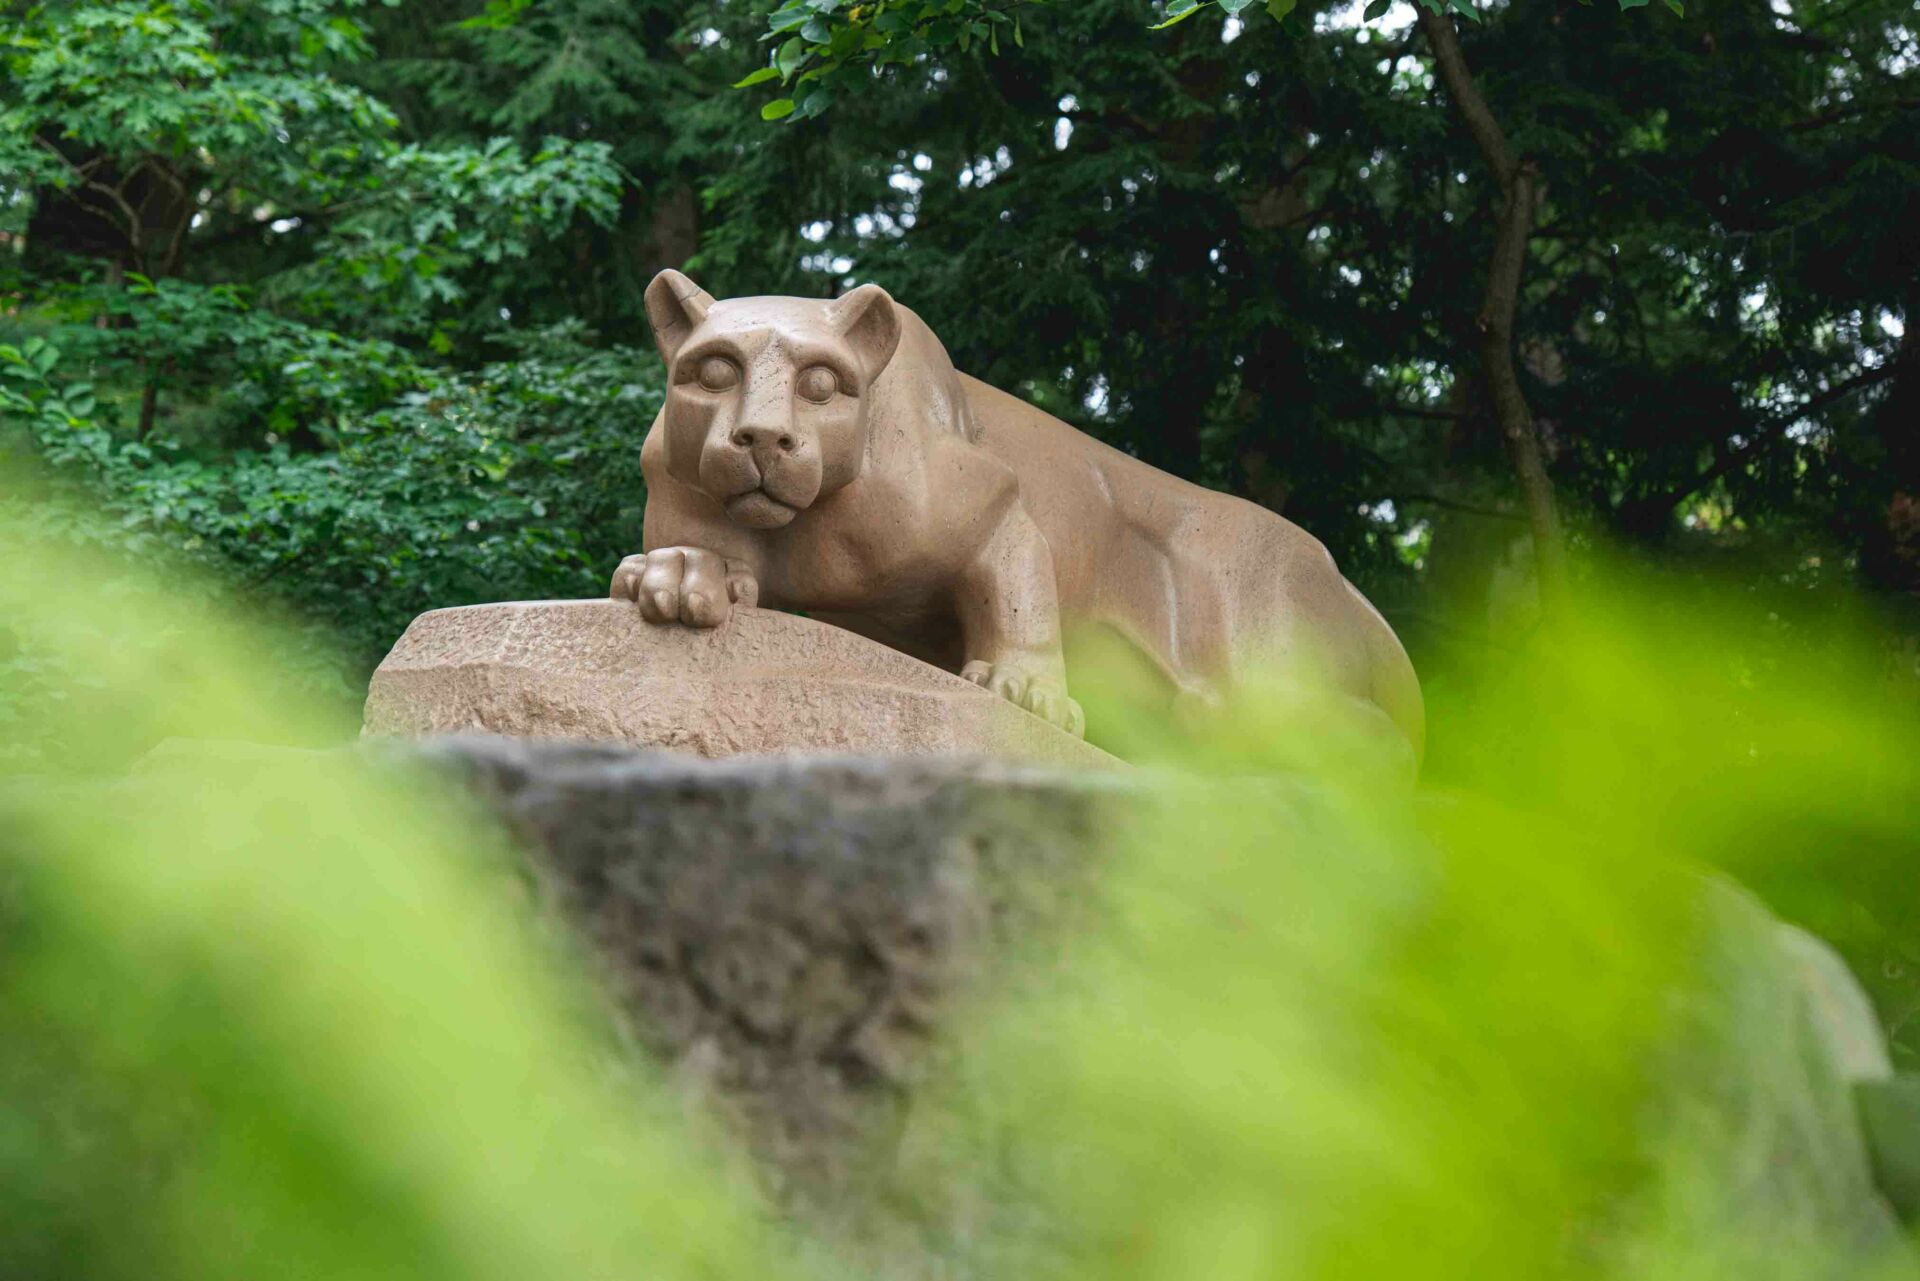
(923,382)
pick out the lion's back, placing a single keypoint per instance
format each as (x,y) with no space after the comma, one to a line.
(1084,491)
(1166,561)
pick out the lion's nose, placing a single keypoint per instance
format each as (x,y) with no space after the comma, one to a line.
(753,438)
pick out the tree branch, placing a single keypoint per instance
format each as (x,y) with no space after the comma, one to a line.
(1768,434)
(1851,111)
(1518,181)
(1451,62)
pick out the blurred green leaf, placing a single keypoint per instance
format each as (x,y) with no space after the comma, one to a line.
(1179,11)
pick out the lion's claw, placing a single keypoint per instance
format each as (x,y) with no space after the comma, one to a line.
(1045,698)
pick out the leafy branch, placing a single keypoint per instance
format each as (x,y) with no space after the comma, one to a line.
(1280,10)
(817,43)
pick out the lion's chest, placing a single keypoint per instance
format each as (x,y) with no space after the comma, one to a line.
(894,548)
(854,567)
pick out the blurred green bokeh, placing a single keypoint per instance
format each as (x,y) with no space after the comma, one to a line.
(283,1014)
(297,1013)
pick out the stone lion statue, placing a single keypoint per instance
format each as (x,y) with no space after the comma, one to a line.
(826,456)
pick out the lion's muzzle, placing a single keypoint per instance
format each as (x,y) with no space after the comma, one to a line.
(763,476)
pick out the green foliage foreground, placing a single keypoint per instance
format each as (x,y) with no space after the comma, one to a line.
(290,1015)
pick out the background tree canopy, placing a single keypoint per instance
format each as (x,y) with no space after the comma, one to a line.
(345,298)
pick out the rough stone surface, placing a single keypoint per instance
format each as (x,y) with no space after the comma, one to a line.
(786,934)
(762,683)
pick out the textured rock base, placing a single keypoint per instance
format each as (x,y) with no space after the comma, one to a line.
(795,937)
(789,936)
(764,682)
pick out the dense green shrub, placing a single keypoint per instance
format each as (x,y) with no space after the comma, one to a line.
(230,285)
(518,479)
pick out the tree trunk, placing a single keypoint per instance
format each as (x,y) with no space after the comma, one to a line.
(149,400)
(1519,189)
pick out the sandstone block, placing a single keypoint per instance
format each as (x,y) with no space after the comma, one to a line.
(762,683)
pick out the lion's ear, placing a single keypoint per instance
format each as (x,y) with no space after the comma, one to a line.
(870,323)
(675,306)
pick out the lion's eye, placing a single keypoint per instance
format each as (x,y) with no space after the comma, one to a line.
(717,373)
(818,384)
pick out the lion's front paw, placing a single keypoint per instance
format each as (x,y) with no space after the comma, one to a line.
(1045,698)
(684,585)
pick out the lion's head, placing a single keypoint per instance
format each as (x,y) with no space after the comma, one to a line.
(767,397)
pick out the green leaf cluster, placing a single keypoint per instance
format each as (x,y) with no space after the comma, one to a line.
(819,44)
(817,38)
(426,485)
(242,287)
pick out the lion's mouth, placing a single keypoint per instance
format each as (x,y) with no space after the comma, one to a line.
(757,509)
